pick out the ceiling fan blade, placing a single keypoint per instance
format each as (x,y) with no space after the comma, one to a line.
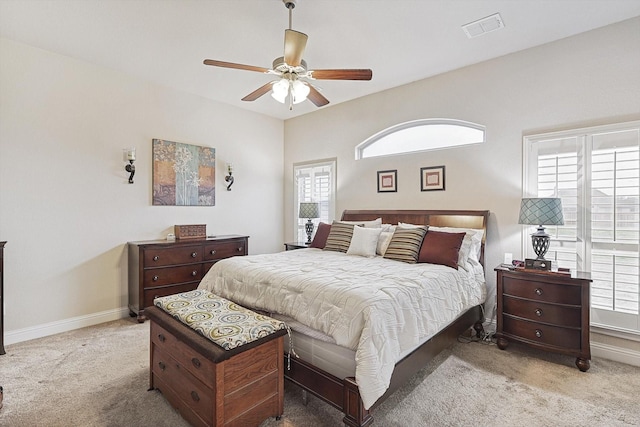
(344,74)
(258,92)
(234,65)
(294,44)
(316,97)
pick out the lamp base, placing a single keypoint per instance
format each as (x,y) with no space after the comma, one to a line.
(308,227)
(541,242)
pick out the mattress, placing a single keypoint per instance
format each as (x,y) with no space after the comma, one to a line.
(378,308)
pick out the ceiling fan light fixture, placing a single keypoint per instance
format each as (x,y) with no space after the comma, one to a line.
(280,90)
(299,91)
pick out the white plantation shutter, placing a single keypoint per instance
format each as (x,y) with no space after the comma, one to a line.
(596,173)
(314,182)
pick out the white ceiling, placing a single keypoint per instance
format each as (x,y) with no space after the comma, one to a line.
(165,41)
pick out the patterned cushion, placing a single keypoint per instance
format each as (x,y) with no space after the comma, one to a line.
(220,320)
(405,244)
(339,237)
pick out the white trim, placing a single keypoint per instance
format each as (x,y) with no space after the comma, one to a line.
(66,325)
(617,354)
(625,334)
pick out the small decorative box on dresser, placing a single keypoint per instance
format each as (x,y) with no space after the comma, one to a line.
(160,267)
(546,310)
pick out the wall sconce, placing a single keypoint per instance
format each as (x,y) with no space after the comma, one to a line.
(229,178)
(129,155)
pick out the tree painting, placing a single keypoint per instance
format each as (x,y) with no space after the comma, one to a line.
(183,174)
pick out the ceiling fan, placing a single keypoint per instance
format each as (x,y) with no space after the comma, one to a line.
(292,71)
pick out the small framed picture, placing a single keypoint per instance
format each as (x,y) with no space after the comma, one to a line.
(387,181)
(432,178)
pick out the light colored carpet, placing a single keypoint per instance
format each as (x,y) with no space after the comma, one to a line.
(98,376)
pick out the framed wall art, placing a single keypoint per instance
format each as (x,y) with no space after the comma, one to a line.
(183,174)
(432,178)
(387,181)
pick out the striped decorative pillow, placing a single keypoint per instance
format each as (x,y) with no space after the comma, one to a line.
(339,237)
(405,244)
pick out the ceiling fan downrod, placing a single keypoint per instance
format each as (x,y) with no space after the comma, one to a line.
(290,4)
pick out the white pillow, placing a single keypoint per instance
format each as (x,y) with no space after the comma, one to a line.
(364,241)
(383,241)
(471,244)
(376,223)
(407,226)
(388,227)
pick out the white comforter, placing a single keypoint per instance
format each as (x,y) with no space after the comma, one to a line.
(378,307)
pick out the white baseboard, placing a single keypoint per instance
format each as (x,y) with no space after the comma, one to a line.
(39,331)
(618,354)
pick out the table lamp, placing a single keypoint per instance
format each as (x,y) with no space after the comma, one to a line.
(309,210)
(540,212)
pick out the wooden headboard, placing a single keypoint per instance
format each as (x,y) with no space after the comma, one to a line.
(448,218)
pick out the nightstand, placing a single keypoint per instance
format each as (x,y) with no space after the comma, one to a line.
(546,310)
(295,245)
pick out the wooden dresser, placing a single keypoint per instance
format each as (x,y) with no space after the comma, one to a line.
(159,267)
(546,310)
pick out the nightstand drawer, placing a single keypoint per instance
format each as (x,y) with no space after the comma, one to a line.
(543,312)
(167,276)
(541,291)
(171,256)
(543,334)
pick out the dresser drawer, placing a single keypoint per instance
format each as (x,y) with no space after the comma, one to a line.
(541,291)
(157,257)
(542,312)
(225,249)
(167,276)
(153,293)
(542,334)
(192,392)
(200,367)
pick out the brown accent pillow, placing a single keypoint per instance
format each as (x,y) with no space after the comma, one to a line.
(441,248)
(320,239)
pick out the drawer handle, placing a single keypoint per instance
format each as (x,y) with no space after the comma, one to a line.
(538,312)
(161,337)
(240,249)
(538,333)
(194,254)
(195,362)
(538,291)
(213,252)
(194,273)
(195,396)
(162,365)
(155,278)
(155,258)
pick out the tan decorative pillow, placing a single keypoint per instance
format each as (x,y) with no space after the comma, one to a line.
(339,237)
(405,244)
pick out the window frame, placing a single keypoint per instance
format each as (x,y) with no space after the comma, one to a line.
(586,244)
(298,223)
(359,150)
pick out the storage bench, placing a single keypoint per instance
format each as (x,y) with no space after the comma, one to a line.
(212,386)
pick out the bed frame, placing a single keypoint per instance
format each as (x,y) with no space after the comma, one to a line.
(343,393)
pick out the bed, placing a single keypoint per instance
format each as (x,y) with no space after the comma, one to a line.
(361,325)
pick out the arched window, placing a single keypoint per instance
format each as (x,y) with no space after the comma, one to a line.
(420,135)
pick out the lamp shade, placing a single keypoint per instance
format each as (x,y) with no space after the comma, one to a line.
(541,211)
(309,210)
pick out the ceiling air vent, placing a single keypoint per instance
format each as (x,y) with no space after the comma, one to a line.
(483,26)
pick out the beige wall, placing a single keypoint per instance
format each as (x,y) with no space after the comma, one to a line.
(583,80)
(66,208)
